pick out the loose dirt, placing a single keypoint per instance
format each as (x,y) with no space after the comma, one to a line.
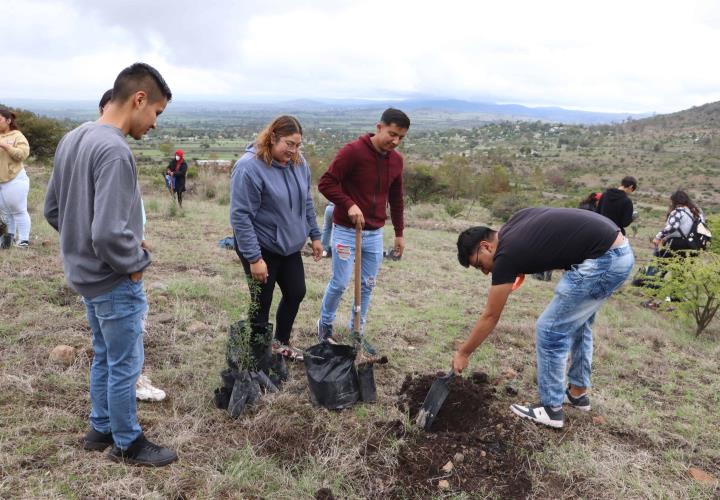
(477,433)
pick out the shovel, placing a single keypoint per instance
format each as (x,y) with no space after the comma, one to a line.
(434,400)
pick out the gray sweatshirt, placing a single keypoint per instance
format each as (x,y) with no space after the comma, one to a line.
(93,201)
(271,206)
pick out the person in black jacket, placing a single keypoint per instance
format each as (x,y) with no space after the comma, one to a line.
(175,175)
(615,204)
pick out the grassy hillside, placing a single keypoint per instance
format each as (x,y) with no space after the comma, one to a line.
(655,392)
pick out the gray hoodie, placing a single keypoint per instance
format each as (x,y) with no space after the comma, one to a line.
(271,206)
(93,200)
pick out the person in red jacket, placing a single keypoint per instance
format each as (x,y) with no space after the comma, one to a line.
(364,177)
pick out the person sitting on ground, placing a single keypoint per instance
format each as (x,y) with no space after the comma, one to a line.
(680,218)
(175,176)
(616,205)
(104,258)
(363,179)
(14,183)
(272,215)
(598,259)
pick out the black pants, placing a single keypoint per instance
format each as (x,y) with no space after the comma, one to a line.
(288,272)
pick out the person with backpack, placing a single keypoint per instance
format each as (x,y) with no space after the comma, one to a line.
(681,225)
(615,203)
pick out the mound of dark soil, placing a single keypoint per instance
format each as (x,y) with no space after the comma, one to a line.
(484,442)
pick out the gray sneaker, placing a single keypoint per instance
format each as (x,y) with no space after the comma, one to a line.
(325,333)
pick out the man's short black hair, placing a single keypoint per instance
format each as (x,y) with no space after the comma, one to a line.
(629,181)
(105,99)
(392,115)
(140,76)
(469,240)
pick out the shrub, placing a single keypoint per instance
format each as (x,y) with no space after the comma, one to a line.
(693,284)
(506,204)
(454,207)
(42,133)
(421,184)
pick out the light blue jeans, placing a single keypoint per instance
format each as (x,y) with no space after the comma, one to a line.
(327,226)
(343,264)
(116,321)
(565,327)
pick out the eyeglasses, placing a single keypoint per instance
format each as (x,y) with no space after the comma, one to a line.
(291,145)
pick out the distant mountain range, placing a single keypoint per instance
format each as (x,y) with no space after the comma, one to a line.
(483,112)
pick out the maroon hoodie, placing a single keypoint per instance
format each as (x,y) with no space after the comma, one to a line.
(361,176)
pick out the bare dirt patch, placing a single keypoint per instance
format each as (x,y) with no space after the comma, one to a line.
(485,443)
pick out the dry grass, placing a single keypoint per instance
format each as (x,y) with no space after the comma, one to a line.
(655,384)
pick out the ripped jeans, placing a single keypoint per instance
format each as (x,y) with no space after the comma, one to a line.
(343,264)
(565,327)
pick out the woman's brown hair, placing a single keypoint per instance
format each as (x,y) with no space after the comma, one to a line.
(9,115)
(282,126)
(681,198)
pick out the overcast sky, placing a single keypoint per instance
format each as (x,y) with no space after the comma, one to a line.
(630,56)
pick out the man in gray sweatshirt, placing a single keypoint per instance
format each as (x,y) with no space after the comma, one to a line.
(93,201)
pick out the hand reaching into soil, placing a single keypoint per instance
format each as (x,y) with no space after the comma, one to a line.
(460,362)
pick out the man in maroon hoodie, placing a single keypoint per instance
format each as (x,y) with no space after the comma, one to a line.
(364,177)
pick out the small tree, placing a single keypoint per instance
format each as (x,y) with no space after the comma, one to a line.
(420,183)
(693,285)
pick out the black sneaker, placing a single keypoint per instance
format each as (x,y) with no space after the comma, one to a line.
(325,333)
(143,452)
(97,441)
(540,414)
(581,403)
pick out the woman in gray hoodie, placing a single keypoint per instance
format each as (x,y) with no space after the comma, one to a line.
(272,215)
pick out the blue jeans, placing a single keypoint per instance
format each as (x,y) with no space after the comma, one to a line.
(343,263)
(565,327)
(327,226)
(170,181)
(116,321)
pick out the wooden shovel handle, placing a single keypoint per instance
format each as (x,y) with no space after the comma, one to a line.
(358,267)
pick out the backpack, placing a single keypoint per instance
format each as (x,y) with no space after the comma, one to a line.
(699,237)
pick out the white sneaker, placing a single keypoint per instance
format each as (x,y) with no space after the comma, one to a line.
(540,414)
(145,391)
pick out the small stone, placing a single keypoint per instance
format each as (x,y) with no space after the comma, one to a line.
(448,467)
(499,427)
(702,477)
(164,318)
(444,484)
(158,286)
(598,420)
(482,453)
(458,457)
(196,327)
(63,354)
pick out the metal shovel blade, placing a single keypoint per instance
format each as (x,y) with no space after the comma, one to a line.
(433,401)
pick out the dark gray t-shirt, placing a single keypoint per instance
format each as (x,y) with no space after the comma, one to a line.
(541,239)
(93,200)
